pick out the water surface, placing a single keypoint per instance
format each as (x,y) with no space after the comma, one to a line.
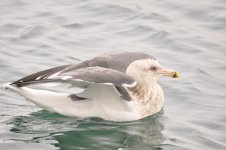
(188,36)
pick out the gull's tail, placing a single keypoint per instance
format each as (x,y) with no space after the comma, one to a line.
(53,101)
(14,88)
(7,85)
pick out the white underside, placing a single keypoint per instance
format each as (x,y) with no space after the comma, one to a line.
(107,105)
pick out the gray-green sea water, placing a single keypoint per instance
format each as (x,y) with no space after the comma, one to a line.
(188,36)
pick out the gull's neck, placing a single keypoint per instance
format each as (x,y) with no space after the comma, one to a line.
(148,96)
(143,90)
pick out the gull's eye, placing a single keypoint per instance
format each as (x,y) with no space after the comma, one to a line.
(153,68)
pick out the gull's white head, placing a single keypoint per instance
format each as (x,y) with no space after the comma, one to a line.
(149,70)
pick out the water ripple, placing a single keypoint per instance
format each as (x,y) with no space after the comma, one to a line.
(188,36)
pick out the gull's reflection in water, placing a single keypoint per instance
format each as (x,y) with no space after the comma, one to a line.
(91,133)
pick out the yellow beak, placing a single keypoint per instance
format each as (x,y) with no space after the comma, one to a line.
(170,73)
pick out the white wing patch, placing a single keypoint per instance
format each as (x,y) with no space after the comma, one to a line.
(66,77)
(130,85)
(55,75)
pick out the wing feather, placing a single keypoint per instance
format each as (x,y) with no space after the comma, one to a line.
(118,61)
(91,77)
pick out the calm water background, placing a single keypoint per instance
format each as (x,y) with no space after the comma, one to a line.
(189,36)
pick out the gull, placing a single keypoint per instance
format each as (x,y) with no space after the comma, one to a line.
(117,87)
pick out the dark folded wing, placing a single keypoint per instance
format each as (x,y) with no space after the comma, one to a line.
(91,79)
(39,76)
(119,62)
(98,75)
